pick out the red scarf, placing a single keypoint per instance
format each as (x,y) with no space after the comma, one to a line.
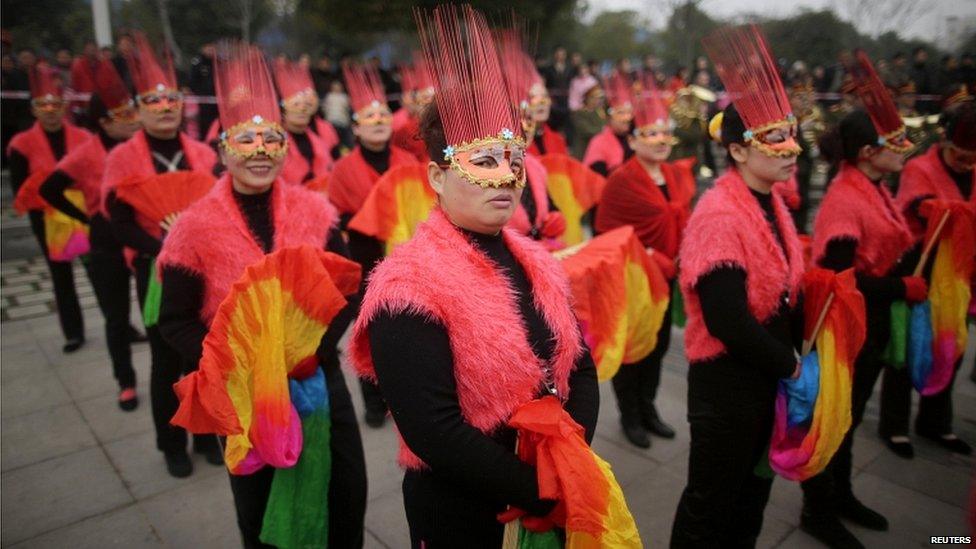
(631,197)
(728,228)
(553,142)
(858,209)
(405,136)
(926,176)
(296,165)
(212,239)
(353,178)
(604,147)
(327,133)
(470,298)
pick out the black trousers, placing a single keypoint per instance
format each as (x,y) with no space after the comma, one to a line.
(821,493)
(367,251)
(110,280)
(730,409)
(166,367)
(934,411)
(347,486)
(442,516)
(635,384)
(63,282)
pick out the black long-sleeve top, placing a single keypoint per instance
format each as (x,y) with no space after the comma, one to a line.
(724,302)
(179,317)
(20,165)
(531,210)
(123,216)
(304,145)
(364,249)
(415,368)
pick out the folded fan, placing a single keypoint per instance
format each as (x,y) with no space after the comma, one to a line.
(400,200)
(591,506)
(813,413)
(620,296)
(574,189)
(265,332)
(65,236)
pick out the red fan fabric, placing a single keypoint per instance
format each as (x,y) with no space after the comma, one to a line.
(158,196)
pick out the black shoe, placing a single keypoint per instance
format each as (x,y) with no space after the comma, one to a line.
(953,443)
(212,455)
(828,530)
(853,510)
(902,449)
(658,428)
(636,434)
(128,399)
(73,345)
(178,464)
(135,336)
(375,418)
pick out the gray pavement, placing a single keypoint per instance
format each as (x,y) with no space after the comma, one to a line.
(78,472)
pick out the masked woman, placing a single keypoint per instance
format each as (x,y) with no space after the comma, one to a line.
(113,112)
(654,196)
(158,148)
(251,212)
(469,320)
(33,153)
(309,156)
(859,226)
(741,266)
(609,148)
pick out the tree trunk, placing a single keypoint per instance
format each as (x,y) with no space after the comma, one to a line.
(174,49)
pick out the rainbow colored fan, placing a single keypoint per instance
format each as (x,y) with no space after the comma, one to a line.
(398,202)
(574,189)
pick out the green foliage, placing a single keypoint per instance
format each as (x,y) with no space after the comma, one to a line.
(48,25)
(680,42)
(612,35)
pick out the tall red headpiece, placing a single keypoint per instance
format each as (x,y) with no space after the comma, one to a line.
(365,86)
(877,99)
(619,91)
(408,80)
(109,86)
(520,72)
(960,127)
(148,74)
(292,79)
(45,82)
(650,110)
(745,66)
(245,92)
(421,75)
(463,61)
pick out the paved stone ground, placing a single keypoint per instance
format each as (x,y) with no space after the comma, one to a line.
(78,472)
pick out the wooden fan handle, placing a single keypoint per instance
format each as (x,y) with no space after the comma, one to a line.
(808,343)
(930,244)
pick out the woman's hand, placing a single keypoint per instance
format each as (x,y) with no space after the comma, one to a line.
(167,222)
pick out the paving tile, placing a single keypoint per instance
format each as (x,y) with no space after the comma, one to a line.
(19,289)
(58,492)
(124,528)
(110,423)
(653,503)
(387,520)
(30,392)
(41,435)
(934,480)
(89,379)
(773,532)
(200,514)
(630,465)
(25,278)
(143,468)
(39,297)
(24,311)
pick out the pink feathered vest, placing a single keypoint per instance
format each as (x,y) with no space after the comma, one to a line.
(856,208)
(211,239)
(728,228)
(469,298)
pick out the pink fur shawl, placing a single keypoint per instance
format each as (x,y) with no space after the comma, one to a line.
(211,238)
(728,228)
(858,209)
(495,375)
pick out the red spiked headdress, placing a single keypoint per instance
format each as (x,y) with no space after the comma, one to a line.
(618,90)
(110,88)
(960,125)
(292,79)
(365,86)
(745,66)
(45,82)
(520,72)
(879,105)
(245,93)
(472,100)
(650,110)
(148,74)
